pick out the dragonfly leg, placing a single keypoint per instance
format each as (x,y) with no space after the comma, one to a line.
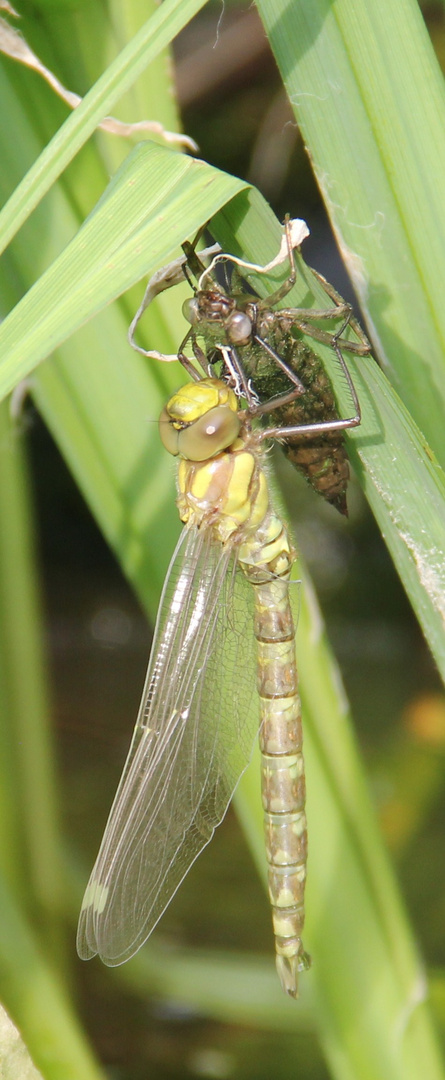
(322,426)
(255,408)
(339,302)
(299,387)
(199,355)
(193,264)
(275,297)
(303,319)
(243,385)
(235,375)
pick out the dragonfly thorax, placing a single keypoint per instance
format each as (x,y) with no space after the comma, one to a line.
(225,491)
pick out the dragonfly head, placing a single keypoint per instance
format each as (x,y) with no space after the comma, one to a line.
(200,420)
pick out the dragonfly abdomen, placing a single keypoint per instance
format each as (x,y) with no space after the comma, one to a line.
(282,777)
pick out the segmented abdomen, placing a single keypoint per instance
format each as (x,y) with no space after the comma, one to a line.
(283,782)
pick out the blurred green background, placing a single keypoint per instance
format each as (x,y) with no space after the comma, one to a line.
(96,638)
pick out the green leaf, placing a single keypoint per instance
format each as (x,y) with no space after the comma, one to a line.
(369,97)
(29,844)
(157,198)
(37,1001)
(154,36)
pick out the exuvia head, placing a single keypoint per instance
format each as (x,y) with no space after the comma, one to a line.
(213,306)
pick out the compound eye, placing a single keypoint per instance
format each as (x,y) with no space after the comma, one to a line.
(239,328)
(169,434)
(208,435)
(190,310)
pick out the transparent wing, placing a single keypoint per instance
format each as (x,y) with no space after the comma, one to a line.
(193,737)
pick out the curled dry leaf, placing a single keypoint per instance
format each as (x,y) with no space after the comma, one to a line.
(13,44)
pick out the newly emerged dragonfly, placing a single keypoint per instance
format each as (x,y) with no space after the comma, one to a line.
(260,349)
(226,597)
(224,622)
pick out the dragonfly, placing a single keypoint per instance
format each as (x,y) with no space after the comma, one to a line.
(222,670)
(260,348)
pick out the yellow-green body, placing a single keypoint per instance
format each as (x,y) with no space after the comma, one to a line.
(197,718)
(229,494)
